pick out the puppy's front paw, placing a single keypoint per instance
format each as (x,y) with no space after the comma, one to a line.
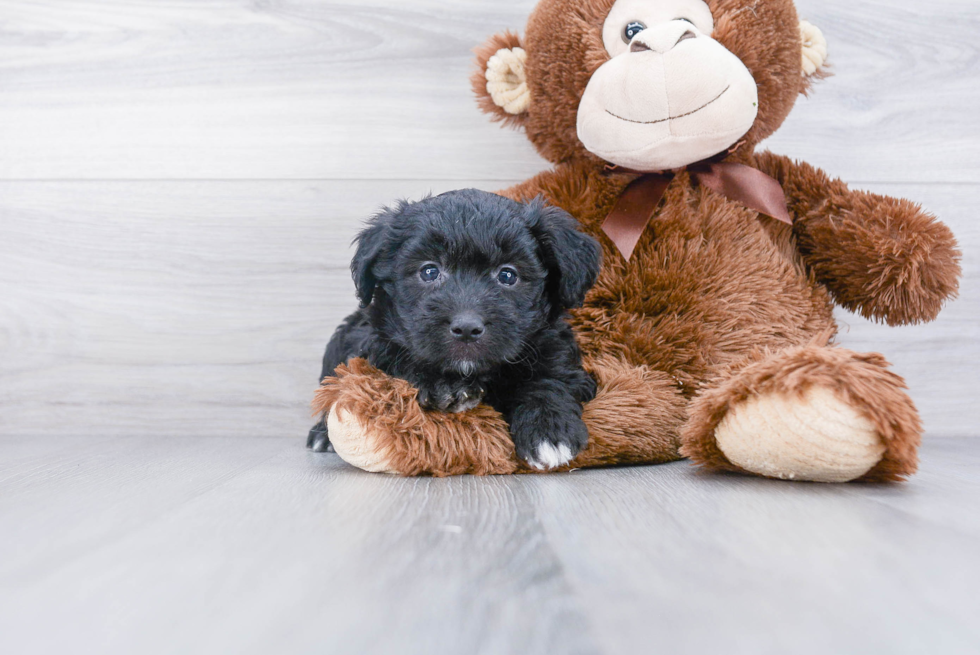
(549,456)
(553,444)
(465,399)
(450,397)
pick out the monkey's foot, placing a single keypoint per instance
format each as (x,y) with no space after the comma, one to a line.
(815,413)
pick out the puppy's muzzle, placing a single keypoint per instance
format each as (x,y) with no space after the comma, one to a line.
(467,327)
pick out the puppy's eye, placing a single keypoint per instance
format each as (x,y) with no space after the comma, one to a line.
(429,273)
(507,276)
(632,29)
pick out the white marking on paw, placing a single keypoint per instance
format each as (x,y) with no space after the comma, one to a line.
(548,456)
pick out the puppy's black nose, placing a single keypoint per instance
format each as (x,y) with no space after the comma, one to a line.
(467,327)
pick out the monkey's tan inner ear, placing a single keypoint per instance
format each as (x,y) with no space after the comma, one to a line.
(814,48)
(507,81)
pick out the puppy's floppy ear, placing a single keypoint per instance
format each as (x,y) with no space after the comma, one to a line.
(572,257)
(373,243)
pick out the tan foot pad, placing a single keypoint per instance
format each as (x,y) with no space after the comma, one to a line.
(816,437)
(354,443)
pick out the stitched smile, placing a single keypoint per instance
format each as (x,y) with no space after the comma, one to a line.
(670,118)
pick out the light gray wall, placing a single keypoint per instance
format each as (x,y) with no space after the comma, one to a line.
(179,184)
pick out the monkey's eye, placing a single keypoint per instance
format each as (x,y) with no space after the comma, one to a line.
(632,29)
(429,273)
(507,276)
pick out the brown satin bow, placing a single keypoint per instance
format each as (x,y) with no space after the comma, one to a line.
(743,184)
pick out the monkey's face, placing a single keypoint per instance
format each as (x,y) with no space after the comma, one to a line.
(649,84)
(670,94)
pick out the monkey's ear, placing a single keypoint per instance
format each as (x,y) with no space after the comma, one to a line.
(572,257)
(500,81)
(814,53)
(373,243)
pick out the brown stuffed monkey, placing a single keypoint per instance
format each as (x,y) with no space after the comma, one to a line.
(710,328)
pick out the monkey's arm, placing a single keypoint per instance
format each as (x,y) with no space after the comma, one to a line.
(881,257)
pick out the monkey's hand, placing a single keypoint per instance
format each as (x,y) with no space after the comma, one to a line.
(881,257)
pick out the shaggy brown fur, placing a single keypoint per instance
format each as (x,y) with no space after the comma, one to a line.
(881,257)
(426,442)
(861,378)
(702,287)
(429,442)
(717,302)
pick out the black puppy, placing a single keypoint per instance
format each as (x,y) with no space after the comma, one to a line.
(464,296)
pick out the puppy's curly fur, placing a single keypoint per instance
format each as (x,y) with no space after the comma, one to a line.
(464,296)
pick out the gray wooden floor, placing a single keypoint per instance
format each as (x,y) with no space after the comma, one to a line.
(179,183)
(223,545)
